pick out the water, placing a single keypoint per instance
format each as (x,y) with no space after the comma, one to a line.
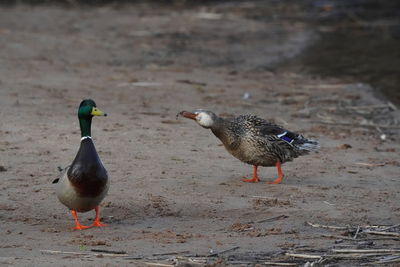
(359,41)
(369,56)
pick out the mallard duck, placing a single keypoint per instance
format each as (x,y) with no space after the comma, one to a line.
(254,141)
(84,184)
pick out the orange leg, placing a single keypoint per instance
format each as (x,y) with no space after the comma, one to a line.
(280,175)
(97,219)
(255,178)
(78,226)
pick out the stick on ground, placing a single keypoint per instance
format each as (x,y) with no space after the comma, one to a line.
(355,235)
(328,226)
(283,216)
(280,263)
(304,256)
(382,233)
(108,251)
(82,253)
(365,250)
(223,251)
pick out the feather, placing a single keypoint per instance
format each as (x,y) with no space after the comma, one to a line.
(256,141)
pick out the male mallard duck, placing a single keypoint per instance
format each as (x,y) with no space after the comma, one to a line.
(254,140)
(84,184)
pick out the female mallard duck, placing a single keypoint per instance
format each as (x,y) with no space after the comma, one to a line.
(254,140)
(84,184)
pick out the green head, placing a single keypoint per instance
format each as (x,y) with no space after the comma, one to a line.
(87,109)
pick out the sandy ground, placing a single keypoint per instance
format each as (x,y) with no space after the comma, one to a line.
(173,186)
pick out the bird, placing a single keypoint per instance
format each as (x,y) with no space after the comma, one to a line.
(84,184)
(254,140)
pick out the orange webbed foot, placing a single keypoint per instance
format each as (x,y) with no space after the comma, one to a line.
(255,178)
(276,181)
(80,227)
(97,222)
(251,180)
(280,175)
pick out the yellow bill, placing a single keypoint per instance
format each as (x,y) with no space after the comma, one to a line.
(97,112)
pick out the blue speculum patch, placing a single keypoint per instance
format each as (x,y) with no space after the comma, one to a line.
(287,139)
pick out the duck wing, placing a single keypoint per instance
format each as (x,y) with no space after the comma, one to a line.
(261,127)
(280,136)
(62,172)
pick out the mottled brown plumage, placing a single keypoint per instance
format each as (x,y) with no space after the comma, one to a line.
(254,140)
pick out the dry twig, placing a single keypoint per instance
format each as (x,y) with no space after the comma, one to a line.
(82,253)
(108,251)
(304,256)
(355,255)
(390,227)
(158,264)
(280,263)
(328,226)
(382,233)
(370,164)
(358,230)
(365,250)
(273,219)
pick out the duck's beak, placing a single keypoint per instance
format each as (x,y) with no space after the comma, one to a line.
(188,115)
(97,112)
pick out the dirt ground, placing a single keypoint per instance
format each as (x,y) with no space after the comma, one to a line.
(174,188)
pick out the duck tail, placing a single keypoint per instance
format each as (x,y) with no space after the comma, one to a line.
(309,145)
